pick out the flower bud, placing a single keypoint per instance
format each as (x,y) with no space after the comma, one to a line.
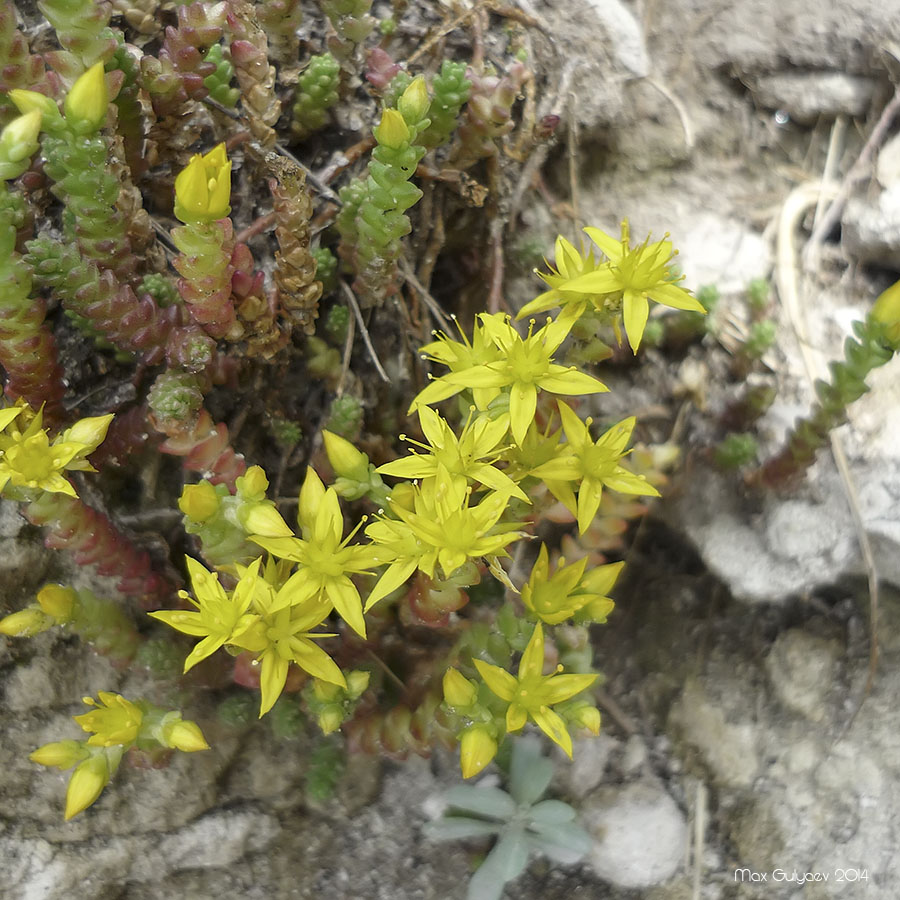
(312,494)
(253,484)
(18,142)
(26,101)
(477,748)
(86,103)
(459,692)
(345,459)
(325,691)
(414,102)
(330,719)
(185,736)
(357,682)
(392,131)
(886,311)
(203,188)
(597,610)
(58,601)
(59,754)
(26,622)
(86,784)
(263,519)
(587,717)
(199,502)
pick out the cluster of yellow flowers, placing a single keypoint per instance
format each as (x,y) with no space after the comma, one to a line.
(451,508)
(458,500)
(115,725)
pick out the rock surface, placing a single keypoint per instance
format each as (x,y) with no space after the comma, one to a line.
(641,834)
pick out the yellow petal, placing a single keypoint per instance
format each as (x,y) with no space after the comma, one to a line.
(532,662)
(554,727)
(498,680)
(271,680)
(635,310)
(522,405)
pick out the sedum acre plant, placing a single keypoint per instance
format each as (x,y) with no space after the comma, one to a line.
(202,259)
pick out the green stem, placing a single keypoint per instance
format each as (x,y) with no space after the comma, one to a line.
(867,351)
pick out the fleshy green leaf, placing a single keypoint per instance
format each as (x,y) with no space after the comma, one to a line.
(530,772)
(563,842)
(490,802)
(459,828)
(551,812)
(506,861)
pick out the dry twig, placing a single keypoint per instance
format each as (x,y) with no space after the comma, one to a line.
(367,340)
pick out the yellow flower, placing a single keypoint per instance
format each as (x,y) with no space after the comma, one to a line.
(460,356)
(463,456)
(443,528)
(218,617)
(282,634)
(86,103)
(115,720)
(634,275)
(593,464)
(570,264)
(203,188)
(525,366)
(326,558)
(555,598)
(30,460)
(531,694)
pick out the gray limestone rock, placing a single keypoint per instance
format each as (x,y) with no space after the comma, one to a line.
(640,834)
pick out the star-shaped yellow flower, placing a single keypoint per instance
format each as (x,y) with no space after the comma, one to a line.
(327,559)
(463,456)
(114,720)
(524,367)
(594,464)
(282,634)
(560,596)
(570,264)
(636,275)
(31,460)
(218,616)
(531,693)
